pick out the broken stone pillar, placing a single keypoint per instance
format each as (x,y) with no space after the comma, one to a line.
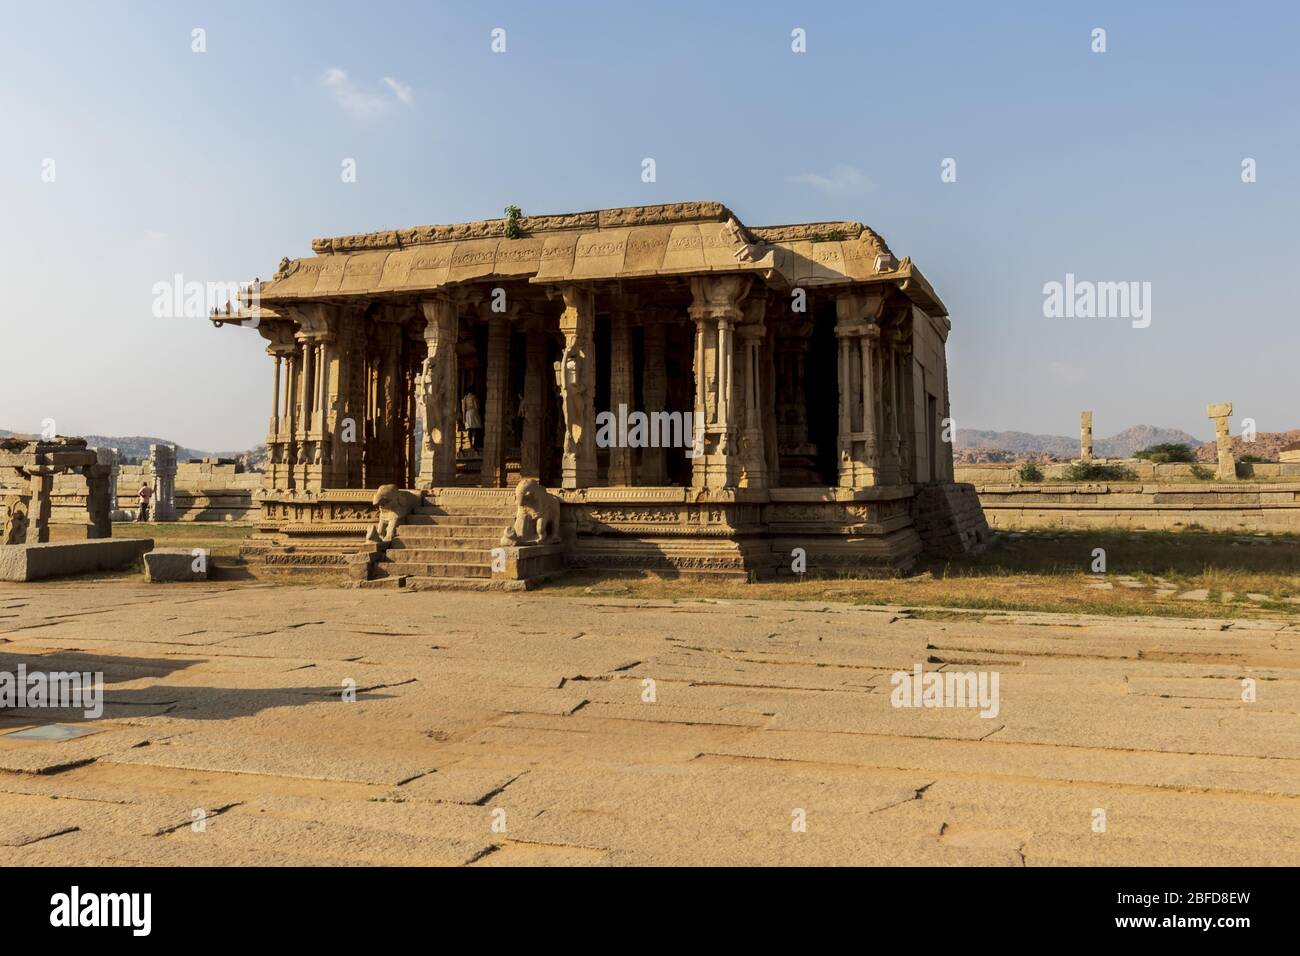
(38,515)
(1085,437)
(162,462)
(99,512)
(1220,415)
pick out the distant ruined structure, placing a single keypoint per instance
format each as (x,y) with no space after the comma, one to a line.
(700,396)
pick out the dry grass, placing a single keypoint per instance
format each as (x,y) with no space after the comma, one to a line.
(1049,572)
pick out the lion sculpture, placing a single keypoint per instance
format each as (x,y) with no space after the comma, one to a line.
(537,516)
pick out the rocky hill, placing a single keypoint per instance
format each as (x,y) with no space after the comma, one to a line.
(1265,446)
(975,445)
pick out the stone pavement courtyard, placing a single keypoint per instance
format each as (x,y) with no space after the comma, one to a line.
(494,728)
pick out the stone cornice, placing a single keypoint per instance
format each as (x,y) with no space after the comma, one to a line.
(666,214)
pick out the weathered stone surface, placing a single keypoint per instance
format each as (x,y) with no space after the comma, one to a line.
(531,712)
(175,564)
(31,562)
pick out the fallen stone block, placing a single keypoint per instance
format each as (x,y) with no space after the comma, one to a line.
(31,562)
(175,564)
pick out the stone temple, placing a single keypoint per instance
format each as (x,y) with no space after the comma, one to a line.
(693,395)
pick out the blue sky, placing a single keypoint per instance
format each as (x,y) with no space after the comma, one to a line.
(1115,166)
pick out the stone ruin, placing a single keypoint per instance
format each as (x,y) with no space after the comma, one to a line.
(28,466)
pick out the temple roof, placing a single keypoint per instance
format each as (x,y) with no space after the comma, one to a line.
(675,239)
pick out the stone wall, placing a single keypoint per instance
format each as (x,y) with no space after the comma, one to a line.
(1235,506)
(1144,470)
(207,490)
(949,519)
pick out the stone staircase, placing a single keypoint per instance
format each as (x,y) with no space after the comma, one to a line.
(447,542)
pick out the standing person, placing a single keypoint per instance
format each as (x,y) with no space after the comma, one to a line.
(146,493)
(473,420)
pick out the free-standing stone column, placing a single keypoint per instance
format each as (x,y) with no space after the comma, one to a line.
(99,512)
(498,378)
(1221,414)
(162,462)
(654,387)
(41,484)
(1085,437)
(437,393)
(715,309)
(858,334)
(576,376)
(620,394)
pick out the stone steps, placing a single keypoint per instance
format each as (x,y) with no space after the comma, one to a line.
(387,569)
(439,555)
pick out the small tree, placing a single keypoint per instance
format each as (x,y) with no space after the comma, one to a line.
(1030,472)
(513,215)
(1166,452)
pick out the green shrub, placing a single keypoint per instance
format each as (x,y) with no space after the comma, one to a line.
(513,213)
(1166,452)
(1093,471)
(1201,473)
(1030,472)
(1252,460)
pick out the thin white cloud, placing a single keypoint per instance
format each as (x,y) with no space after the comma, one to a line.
(401,90)
(351,100)
(841,179)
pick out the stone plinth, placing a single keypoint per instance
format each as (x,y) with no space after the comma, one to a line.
(31,562)
(174,564)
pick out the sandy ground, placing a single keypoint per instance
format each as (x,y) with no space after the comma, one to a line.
(533,729)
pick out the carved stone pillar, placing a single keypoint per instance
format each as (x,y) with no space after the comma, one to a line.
(858,334)
(888,393)
(99,511)
(620,394)
(437,399)
(162,462)
(751,396)
(654,387)
(576,376)
(530,451)
(715,309)
(306,389)
(906,408)
(497,404)
(1085,437)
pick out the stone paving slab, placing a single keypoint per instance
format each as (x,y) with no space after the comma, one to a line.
(325,726)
